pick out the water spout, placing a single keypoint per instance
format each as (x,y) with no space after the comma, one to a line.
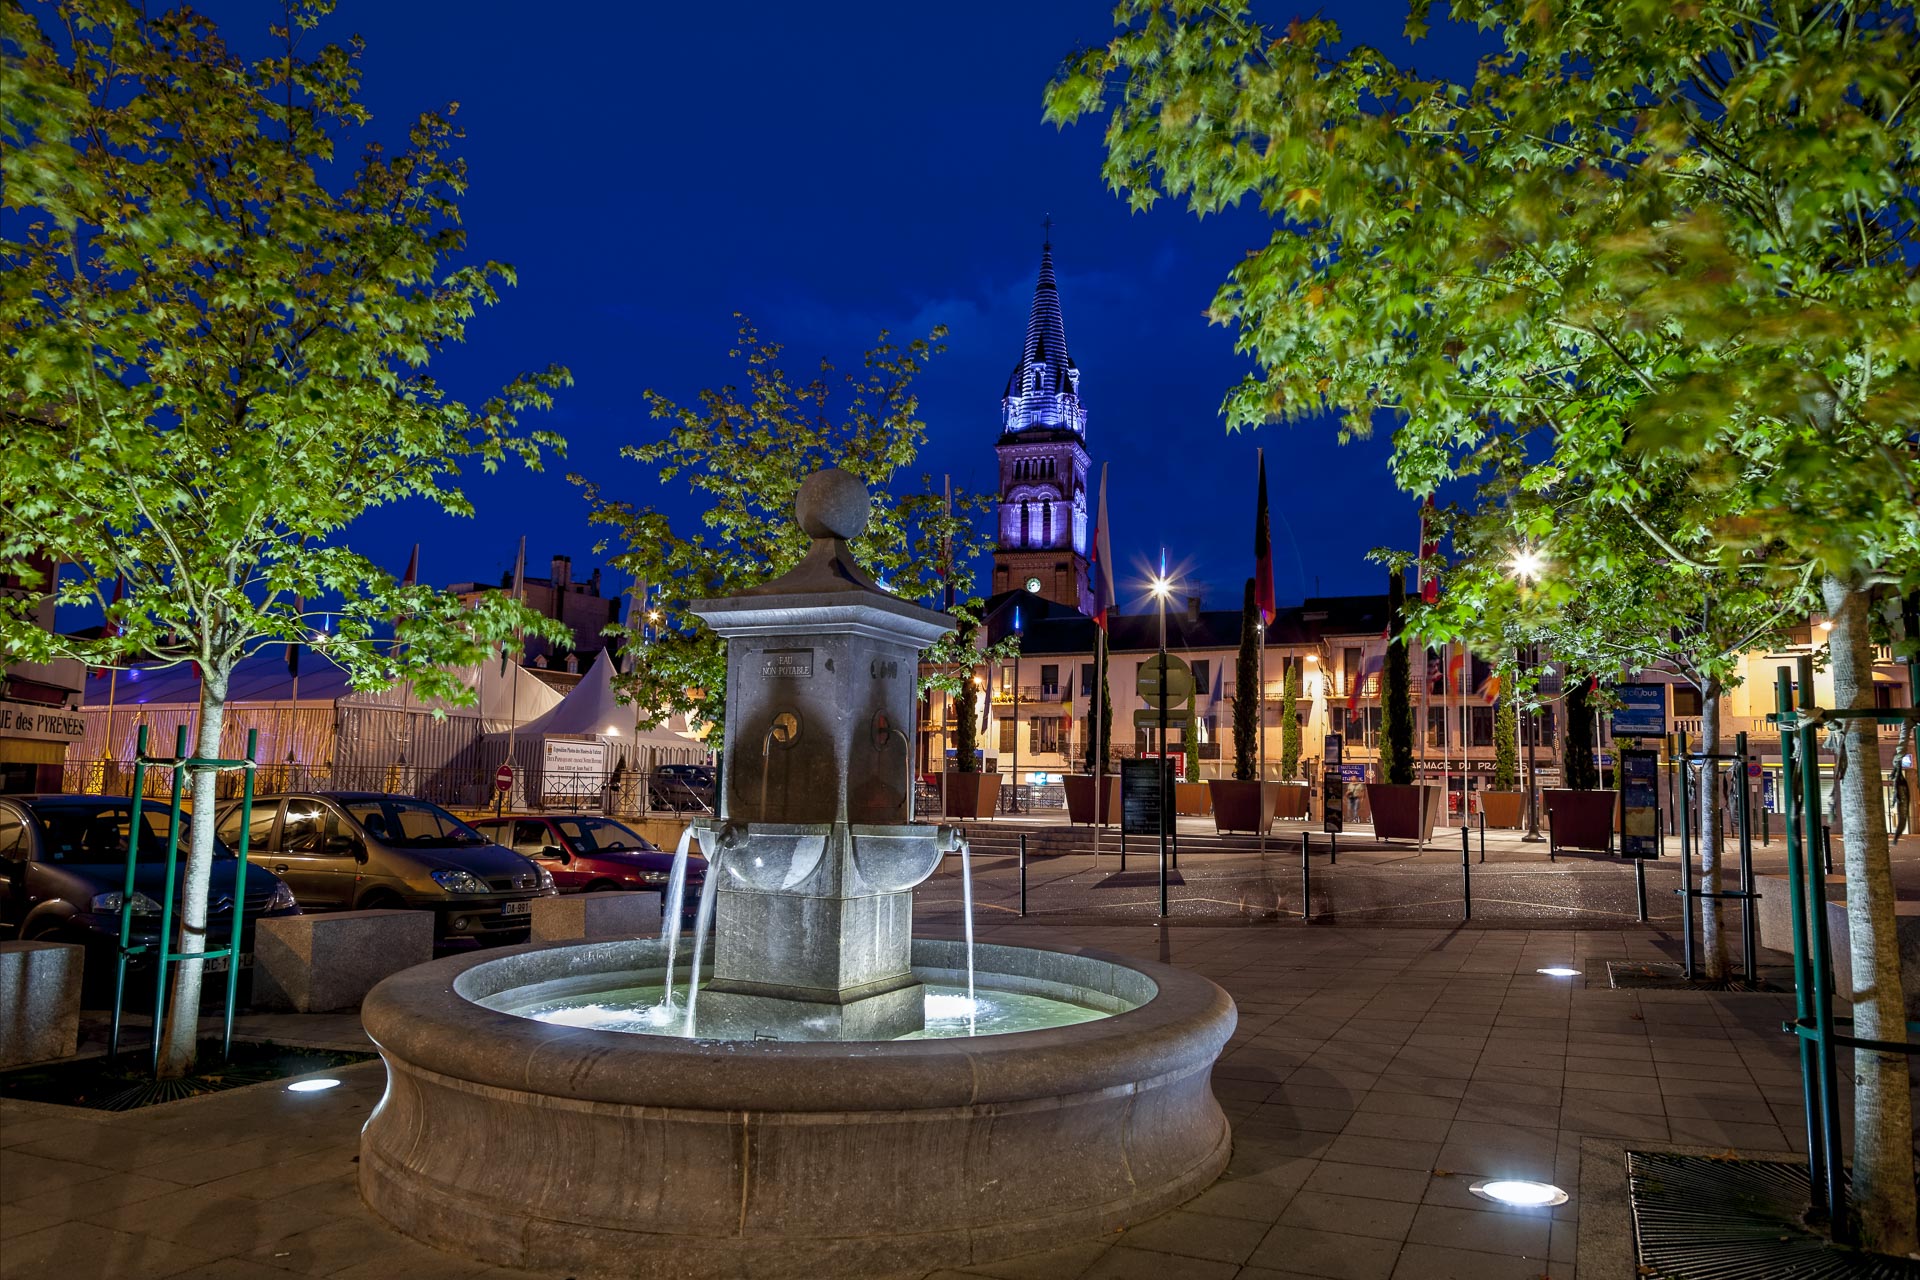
(966,916)
(702,924)
(675,904)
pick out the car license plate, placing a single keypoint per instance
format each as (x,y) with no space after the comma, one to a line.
(219,963)
(516,908)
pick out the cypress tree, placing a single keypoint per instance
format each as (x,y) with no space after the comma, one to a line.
(1246,691)
(1396,734)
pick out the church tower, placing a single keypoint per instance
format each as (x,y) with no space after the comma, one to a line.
(1044,520)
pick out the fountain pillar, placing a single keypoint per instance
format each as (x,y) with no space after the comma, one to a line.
(817,853)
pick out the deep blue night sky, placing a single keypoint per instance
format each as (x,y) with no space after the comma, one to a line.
(831,170)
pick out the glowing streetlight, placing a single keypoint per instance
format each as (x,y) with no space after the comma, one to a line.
(1527,565)
(1160,586)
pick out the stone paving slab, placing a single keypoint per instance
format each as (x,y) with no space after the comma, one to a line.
(1374,1074)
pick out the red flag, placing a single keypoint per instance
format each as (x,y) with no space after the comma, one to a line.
(1456,666)
(412,575)
(1263,552)
(1102,558)
(1429,552)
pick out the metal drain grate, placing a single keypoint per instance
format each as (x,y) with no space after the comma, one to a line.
(1667,977)
(1698,1216)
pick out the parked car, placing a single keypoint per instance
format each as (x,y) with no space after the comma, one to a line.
(359,850)
(682,786)
(63,873)
(588,854)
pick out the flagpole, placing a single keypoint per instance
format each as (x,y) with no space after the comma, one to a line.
(1099,756)
(513,696)
(113,681)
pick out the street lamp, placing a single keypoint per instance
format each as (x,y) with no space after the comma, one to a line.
(1527,566)
(1161,586)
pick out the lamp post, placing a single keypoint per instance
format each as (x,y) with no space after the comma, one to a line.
(1527,565)
(1162,587)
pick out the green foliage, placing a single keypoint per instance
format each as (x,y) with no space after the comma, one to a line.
(1290,721)
(1103,750)
(1190,740)
(1246,692)
(1506,746)
(1396,692)
(1582,765)
(218,334)
(742,454)
(966,723)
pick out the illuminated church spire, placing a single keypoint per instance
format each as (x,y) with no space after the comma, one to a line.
(1044,388)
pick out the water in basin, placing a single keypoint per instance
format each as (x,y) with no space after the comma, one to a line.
(642,1010)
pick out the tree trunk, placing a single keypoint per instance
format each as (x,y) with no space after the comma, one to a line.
(1883,1197)
(182,1032)
(1713,938)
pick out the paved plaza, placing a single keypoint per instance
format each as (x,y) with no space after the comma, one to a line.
(1375,1074)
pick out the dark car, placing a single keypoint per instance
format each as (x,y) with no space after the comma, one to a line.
(63,871)
(683,786)
(359,850)
(587,854)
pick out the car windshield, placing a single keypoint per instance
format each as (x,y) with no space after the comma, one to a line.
(410,824)
(600,835)
(93,835)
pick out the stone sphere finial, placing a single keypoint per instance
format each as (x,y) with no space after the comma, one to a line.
(832,504)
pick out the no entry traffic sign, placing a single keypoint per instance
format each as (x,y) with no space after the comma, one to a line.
(503,778)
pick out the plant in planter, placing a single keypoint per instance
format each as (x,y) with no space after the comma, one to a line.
(968,792)
(1401,810)
(1080,787)
(1243,802)
(1503,803)
(1290,722)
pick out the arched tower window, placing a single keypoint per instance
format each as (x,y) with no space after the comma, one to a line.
(1025,509)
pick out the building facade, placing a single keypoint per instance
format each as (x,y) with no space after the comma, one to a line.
(577,603)
(1043,516)
(38,700)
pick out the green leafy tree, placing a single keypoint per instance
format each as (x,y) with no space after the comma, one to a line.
(1639,230)
(1396,689)
(742,454)
(1290,722)
(1506,746)
(1246,692)
(217,347)
(962,695)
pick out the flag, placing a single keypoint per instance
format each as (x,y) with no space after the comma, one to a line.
(519,591)
(1369,668)
(1429,552)
(412,576)
(1263,552)
(1456,672)
(1492,687)
(112,627)
(293,646)
(1102,559)
(1219,671)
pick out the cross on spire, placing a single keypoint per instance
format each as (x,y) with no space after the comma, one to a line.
(1046,231)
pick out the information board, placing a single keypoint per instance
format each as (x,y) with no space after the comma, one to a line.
(1142,792)
(1642,712)
(1639,803)
(572,768)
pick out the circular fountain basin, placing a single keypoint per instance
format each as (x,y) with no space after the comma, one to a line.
(536,1142)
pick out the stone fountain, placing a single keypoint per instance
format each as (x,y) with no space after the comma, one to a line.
(790,1120)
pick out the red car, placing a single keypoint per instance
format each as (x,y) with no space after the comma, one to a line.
(587,853)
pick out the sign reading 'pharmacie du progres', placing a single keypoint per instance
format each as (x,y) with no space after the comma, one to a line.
(26,720)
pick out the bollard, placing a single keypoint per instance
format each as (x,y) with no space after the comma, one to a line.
(1826,847)
(1306,879)
(1483,835)
(1023,873)
(1640,886)
(1466,871)
(1123,847)
(1333,848)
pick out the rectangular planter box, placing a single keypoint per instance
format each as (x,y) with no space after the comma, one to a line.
(970,795)
(1404,811)
(1503,808)
(1242,806)
(1292,800)
(1080,798)
(1191,799)
(1579,819)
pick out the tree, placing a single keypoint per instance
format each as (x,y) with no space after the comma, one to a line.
(1640,230)
(1396,694)
(1576,707)
(966,723)
(1190,740)
(1246,692)
(743,455)
(1506,745)
(217,362)
(1290,722)
(1102,750)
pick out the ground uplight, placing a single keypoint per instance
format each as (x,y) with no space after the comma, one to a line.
(1519,1193)
(314,1085)
(1559,971)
